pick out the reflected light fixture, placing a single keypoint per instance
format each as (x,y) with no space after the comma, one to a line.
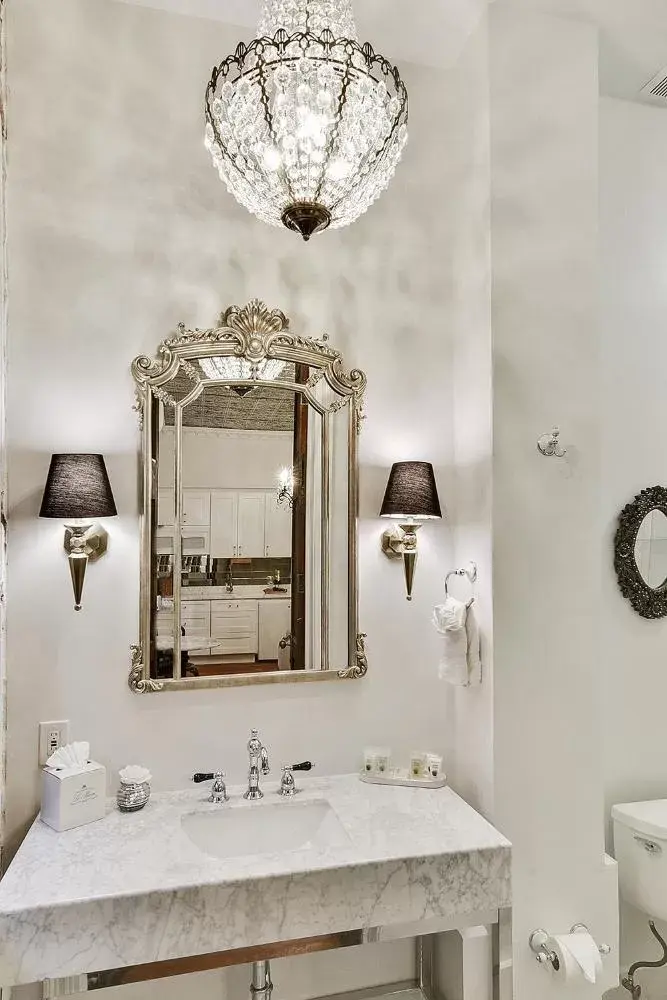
(285,493)
(305,125)
(411,496)
(77,492)
(239,369)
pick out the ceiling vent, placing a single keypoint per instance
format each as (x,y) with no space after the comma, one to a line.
(655,91)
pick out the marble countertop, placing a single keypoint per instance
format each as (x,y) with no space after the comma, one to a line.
(132,888)
(240,593)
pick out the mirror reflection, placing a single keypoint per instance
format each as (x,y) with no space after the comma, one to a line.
(651,549)
(242,531)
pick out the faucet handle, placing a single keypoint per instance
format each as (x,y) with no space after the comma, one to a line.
(287,786)
(218,788)
(264,758)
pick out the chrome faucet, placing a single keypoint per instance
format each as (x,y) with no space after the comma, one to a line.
(229,579)
(258,759)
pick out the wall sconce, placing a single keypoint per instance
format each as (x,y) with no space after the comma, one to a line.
(411,495)
(285,493)
(77,491)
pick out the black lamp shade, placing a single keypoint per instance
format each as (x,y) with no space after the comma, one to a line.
(77,486)
(411,491)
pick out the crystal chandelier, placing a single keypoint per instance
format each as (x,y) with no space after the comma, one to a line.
(305,125)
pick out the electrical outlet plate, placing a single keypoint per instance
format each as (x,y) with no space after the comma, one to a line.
(52,735)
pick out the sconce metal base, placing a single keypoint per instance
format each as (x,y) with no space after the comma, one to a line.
(392,543)
(402,541)
(285,495)
(83,543)
(95,539)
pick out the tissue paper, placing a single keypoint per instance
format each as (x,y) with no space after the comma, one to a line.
(578,956)
(70,755)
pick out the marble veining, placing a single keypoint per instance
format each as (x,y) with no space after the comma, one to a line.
(133,888)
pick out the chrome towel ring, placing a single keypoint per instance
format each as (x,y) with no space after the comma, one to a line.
(469,571)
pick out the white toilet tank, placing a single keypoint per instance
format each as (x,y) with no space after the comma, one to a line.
(640,847)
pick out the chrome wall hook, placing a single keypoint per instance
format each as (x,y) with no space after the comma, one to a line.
(550,446)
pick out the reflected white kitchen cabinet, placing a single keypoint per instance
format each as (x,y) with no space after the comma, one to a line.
(251,525)
(234,625)
(274,623)
(196,507)
(224,521)
(165,507)
(248,524)
(195,540)
(278,531)
(196,620)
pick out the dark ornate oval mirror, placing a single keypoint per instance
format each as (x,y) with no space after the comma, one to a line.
(640,552)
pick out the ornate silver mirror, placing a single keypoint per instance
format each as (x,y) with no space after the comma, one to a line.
(250,486)
(640,552)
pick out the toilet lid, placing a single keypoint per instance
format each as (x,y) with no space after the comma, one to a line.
(649,818)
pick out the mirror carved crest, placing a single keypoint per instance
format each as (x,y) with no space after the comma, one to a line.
(214,531)
(640,552)
(255,333)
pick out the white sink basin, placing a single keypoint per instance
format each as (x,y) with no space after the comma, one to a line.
(269,828)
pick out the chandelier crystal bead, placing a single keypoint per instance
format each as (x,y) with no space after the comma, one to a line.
(304,125)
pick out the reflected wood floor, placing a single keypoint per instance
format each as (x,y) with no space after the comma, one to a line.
(222,669)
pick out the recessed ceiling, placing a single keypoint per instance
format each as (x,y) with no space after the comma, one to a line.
(633,38)
(633,33)
(265,408)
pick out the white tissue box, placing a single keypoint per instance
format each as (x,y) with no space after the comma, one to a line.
(73,796)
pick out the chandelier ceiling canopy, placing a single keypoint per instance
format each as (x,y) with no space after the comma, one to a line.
(305,125)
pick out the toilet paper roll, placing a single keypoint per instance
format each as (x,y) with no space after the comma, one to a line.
(578,956)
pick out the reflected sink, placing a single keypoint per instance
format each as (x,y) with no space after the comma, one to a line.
(265,829)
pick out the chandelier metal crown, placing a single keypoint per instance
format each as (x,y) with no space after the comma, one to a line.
(305,125)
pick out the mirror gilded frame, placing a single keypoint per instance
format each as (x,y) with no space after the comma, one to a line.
(253,333)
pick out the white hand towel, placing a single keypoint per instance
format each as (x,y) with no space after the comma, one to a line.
(474,650)
(460,661)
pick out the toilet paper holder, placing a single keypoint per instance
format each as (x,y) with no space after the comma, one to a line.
(539,945)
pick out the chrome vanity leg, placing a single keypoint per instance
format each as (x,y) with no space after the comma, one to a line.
(425,945)
(502,956)
(261,985)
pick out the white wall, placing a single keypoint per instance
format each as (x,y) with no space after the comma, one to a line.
(633,219)
(119,229)
(468,161)
(548,672)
